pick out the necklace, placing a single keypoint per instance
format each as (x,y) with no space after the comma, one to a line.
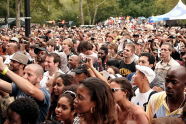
(180,104)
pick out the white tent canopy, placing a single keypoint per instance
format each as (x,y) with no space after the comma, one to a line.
(178,12)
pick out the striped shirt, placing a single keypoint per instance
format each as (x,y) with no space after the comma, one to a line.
(157,107)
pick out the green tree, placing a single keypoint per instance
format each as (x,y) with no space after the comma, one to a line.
(90,11)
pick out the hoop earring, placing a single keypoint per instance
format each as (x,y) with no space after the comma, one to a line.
(92,110)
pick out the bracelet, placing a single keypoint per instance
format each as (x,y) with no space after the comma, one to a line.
(4,71)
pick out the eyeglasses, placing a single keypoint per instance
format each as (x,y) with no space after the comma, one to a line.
(73,94)
(116,89)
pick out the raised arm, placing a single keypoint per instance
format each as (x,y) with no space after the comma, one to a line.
(5,86)
(26,86)
(97,73)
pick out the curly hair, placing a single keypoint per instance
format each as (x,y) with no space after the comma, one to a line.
(27,108)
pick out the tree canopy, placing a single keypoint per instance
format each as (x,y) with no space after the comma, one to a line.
(93,10)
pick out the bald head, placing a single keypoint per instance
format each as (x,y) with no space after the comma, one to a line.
(74,61)
(179,71)
(34,74)
(36,68)
(175,83)
(75,57)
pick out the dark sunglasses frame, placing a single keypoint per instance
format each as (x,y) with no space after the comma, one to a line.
(116,89)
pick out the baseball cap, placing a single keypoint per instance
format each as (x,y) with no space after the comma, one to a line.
(21,58)
(148,72)
(14,39)
(38,49)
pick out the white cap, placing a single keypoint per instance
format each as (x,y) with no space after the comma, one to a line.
(15,39)
(148,72)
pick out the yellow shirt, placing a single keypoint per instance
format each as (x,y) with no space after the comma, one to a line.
(157,107)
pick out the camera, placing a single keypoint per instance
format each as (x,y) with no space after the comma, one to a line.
(136,35)
(84,60)
(150,41)
(92,38)
(172,37)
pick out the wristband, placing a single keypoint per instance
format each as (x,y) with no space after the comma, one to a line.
(4,71)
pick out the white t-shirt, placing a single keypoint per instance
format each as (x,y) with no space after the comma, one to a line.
(46,78)
(141,98)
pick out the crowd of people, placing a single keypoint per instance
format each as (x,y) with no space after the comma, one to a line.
(119,73)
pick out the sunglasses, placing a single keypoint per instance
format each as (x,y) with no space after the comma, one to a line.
(116,89)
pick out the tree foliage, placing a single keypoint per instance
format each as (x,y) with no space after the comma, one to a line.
(93,10)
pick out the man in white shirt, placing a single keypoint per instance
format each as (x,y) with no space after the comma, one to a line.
(52,65)
(143,77)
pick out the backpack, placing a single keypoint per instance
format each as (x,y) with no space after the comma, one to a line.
(145,104)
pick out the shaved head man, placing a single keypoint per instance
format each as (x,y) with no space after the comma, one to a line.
(170,102)
(73,61)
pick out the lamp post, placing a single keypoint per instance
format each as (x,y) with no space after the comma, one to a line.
(27,18)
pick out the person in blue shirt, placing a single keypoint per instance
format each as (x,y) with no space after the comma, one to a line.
(27,86)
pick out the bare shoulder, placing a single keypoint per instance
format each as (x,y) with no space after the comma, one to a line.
(140,115)
(167,120)
(139,111)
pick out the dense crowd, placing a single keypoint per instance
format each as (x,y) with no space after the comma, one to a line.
(124,72)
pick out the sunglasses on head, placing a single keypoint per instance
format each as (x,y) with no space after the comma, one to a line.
(116,89)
